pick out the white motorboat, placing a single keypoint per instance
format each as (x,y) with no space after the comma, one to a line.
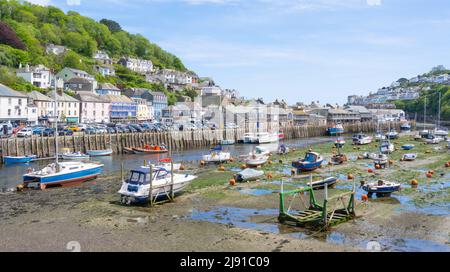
(370,156)
(265,138)
(380,136)
(254,159)
(249,138)
(361,139)
(433,139)
(136,188)
(381,160)
(381,187)
(441,132)
(410,157)
(393,134)
(217,155)
(74,156)
(386,147)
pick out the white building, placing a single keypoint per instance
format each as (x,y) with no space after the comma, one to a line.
(93,108)
(13,105)
(40,76)
(105,70)
(32,114)
(137,65)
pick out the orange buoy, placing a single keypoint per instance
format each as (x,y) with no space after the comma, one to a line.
(364,198)
(431,172)
(370,170)
(232,182)
(182,168)
(243,166)
(269,162)
(202,163)
(447,165)
(222,168)
(293,171)
(270,176)
(231,159)
(330,163)
(377,166)
(391,162)
(414,182)
(429,175)
(349,176)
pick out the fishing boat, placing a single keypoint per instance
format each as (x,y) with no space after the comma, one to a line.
(18,159)
(62,173)
(386,147)
(227,142)
(57,173)
(74,156)
(339,143)
(151,149)
(249,175)
(405,127)
(320,184)
(311,162)
(217,155)
(381,187)
(361,139)
(249,138)
(382,160)
(441,132)
(136,189)
(433,139)
(255,159)
(265,138)
(99,153)
(335,129)
(391,135)
(283,149)
(408,146)
(410,157)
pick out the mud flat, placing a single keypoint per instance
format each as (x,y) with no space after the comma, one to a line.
(214,216)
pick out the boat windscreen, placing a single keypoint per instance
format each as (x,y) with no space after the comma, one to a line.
(137,178)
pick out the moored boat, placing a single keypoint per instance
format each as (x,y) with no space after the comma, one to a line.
(382,160)
(217,155)
(74,156)
(405,127)
(151,149)
(410,157)
(335,129)
(386,147)
(391,135)
(408,146)
(227,142)
(361,139)
(18,159)
(99,153)
(128,150)
(433,139)
(136,189)
(254,159)
(62,173)
(283,149)
(249,175)
(339,143)
(339,159)
(320,184)
(249,138)
(311,162)
(381,187)
(265,138)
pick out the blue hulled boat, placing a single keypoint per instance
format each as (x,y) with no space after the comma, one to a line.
(335,129)
(408,146)
(19,159)
(381,188)
(99,153)
(311,162)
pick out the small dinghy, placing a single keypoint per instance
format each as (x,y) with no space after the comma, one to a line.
(370,156)
(405,127)
(311,162)
(361,139)
(410,157)
(249,175)
(99,153)
(433,139)
(136,189)
(74,156)
(320,184)
(128,150)
(408,146)
(227,142)
(339,143)
(217,155)
(381,188)
(151,149)
(255,160)
(380,136)
(19,159)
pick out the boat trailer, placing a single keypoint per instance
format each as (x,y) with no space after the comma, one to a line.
(334,210)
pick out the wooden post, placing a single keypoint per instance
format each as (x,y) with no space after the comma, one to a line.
(172,194)
(150,198)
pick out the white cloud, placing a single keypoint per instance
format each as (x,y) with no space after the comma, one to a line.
(40,2)
(73,2)
(374,2)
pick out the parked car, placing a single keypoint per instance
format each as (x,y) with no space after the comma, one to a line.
(65,132)
(100,130)
(82,127)
(48,132)
(38,130)
(74,128)
(137,127)
(25,132)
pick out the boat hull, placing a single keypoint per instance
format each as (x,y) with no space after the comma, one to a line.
(16,160)
(335,131)
(330,182)
(64,178)
(99,153)
(302,166)
(149,151)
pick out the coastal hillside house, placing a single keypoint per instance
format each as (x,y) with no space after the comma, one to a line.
(365,114)
(55,49)
(79,85)
(105,70)
(102,58)
(140,66)
(40,76)
(13,105)
(172,77)
(107,88)
(45,106)
(123,108)
(143,110)
(384,115)
(156,101)
(69,73)
(179,113)
(93,108)
(68,108)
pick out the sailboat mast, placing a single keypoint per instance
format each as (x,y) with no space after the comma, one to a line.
(425,113)
(55,109)
(439,113)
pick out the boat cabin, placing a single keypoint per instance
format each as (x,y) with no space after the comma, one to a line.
(311,157)
(141,176)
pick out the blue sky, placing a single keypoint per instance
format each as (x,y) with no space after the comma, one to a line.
(299,50)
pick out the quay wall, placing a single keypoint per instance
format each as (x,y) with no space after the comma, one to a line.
(44,147)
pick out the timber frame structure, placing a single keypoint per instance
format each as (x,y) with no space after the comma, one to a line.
(315,215)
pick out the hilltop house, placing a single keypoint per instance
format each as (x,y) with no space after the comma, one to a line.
(40,76)
(13,105)
(67,74)
(102,58)
(45,105)
(93,108)
(79,85)
(137,65)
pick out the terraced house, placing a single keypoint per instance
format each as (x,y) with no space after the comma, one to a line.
(68,108)
(93,108)
(123,109)
(45,105)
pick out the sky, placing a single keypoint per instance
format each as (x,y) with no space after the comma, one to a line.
(297,50)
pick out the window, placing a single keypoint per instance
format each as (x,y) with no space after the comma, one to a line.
(20,102)
(69,113)
(9,101)
(20,112)
(9,112)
